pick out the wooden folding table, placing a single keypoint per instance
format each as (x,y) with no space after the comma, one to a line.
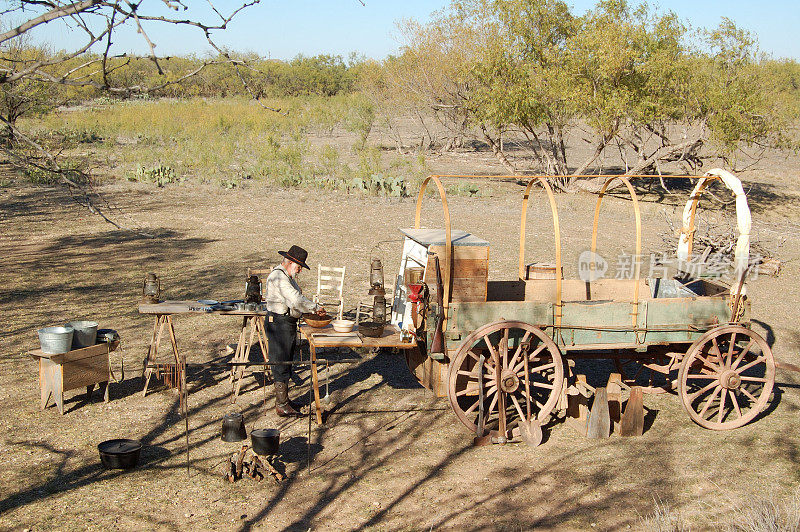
(252,330)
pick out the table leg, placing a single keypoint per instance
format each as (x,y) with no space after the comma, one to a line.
(45,387)
(245,356)
(152,351)
(263,343)
(237,355)
(315,382)
(180,363)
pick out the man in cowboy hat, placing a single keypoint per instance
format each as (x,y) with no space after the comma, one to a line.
(285,304)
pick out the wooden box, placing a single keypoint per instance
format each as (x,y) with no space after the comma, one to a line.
(75,369)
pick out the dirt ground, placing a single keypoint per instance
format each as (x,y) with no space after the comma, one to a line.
(391,456)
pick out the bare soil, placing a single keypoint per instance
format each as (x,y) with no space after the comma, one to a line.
(391,455)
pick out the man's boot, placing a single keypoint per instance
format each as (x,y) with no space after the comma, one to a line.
(282,405)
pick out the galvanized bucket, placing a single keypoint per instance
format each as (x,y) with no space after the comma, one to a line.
(85,333)
(56,340)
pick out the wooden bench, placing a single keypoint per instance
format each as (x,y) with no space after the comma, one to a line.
(74,369)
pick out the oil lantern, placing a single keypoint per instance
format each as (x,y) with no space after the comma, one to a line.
(151,289)
(379,308)
(376,278)
(252,290)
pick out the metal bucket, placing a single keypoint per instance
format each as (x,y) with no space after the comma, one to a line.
(56,340)
(85,333)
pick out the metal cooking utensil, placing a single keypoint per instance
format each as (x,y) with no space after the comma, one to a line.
(327,397)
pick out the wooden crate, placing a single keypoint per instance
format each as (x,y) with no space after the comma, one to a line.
(470,271)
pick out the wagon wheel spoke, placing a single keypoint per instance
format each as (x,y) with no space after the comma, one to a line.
(741,355)
(472,354)
(473,407)
(731,347)
(517,406)
(722,405)
(518,351)
(709,401)
(708,364)
(521,365)
(753,379)
(748,394)
(539,368)
(735,403)
(749,365)
(489,345)
(703,389)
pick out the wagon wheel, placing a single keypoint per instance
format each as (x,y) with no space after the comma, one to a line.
(652,373)
(511,342)
(727,377)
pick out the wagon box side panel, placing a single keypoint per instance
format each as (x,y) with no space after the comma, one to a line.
(599,322)
(694,315)
(465,317)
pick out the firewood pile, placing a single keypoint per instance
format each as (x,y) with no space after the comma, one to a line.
(255,468)
(718,240)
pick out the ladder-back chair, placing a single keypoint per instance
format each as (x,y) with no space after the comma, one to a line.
(330,285)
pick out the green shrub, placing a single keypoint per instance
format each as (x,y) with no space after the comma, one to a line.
(161,175)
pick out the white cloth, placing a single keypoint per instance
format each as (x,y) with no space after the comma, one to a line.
(743,220)
(284,294)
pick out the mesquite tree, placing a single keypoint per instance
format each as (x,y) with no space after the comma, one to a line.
(631,83)
(92,62)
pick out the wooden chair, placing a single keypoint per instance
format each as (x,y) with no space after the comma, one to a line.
(330,285)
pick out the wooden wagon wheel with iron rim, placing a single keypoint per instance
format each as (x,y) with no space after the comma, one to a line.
(726,379)
(509,397)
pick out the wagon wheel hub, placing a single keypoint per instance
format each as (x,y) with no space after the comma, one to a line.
(730,380)
(509,382)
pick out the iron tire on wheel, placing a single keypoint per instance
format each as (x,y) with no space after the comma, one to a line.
(726,378)
(545,376)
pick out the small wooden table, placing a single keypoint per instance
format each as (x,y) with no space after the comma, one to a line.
(327,337)
(74,369)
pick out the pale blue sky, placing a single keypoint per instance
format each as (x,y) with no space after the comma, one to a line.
(283,29)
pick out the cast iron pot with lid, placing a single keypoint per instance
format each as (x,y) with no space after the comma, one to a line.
(265,441)
(233,427)
(119,453)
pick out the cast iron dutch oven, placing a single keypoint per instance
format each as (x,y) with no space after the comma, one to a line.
(119,453)
(265,441)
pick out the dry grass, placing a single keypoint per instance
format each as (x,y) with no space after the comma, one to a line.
(663,518)
(312,141)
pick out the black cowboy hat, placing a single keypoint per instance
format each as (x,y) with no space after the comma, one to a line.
(297,255)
